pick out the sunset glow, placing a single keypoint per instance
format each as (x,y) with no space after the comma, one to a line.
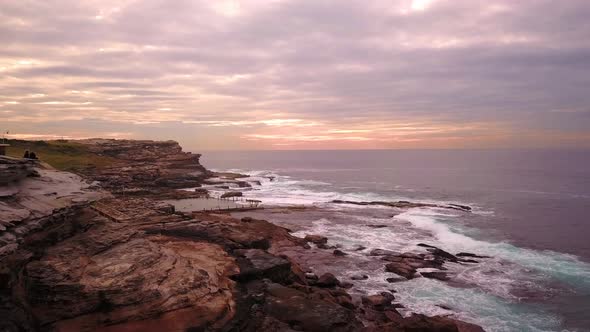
(298,75)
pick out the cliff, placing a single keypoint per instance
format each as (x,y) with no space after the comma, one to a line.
(145,164)
(82,255)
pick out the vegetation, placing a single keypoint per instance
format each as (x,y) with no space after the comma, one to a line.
(61,154)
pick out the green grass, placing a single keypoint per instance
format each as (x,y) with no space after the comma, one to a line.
(61,154)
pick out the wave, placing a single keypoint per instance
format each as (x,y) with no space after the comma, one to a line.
(564,267)
(495,288)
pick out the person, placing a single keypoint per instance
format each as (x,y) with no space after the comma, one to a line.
(33,155)
(27,156)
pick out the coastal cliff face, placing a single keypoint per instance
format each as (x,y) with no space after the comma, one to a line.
(81,255)
(145,164)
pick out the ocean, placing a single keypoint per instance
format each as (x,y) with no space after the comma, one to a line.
(529,213)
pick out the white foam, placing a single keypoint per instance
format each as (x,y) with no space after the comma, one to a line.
(564,267)
(491,302)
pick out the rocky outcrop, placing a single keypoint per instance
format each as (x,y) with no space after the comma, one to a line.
(407,205)
(33,203)
(231,194)
(407,264)
(151,164)
(13,170)
(75,258)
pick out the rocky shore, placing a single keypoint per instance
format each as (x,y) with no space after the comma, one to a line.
(101,251)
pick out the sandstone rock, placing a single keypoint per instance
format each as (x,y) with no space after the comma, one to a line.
(401,269)
(324,246)
(14,169)
(418,322)
(301,312)
(316,239)
(232,194)
(258,264)
(145,164)
(382,252)
(125,284)
(327,280)
(406,205)
(201,191)
(377,302)
(128,263)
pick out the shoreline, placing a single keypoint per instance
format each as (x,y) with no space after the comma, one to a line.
(536,288)
(382,254)
(129,258)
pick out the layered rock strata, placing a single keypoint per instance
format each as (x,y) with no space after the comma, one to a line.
(103,257)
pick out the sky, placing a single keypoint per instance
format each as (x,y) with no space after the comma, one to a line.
(274,74)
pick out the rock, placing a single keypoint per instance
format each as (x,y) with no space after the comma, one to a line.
(309,314)
(128,263)
(311,276)
(388,295)
(393,279)
(405,205)
(425,245)
(327,280)
(382,252)
(359,248)
(377,226)
(442,276)
(467,254)
(339,253)
(418,322)
(316,239)
(144,164)
(257,264)
(443,306)
(401,269)
(439,252)
(346,284)
(359,277)
(377,302)
(256,182)
(461,207)
(324,246)
(165,207)
(13,170)
(232,194)
(115,286)
(443,254)
(243,184)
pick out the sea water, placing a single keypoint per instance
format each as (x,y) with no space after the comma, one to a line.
(529,213)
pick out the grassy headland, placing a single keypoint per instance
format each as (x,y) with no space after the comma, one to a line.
(61,154)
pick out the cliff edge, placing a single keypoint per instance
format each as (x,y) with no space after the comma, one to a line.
(100,251)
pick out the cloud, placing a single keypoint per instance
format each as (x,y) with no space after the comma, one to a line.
(328,71)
